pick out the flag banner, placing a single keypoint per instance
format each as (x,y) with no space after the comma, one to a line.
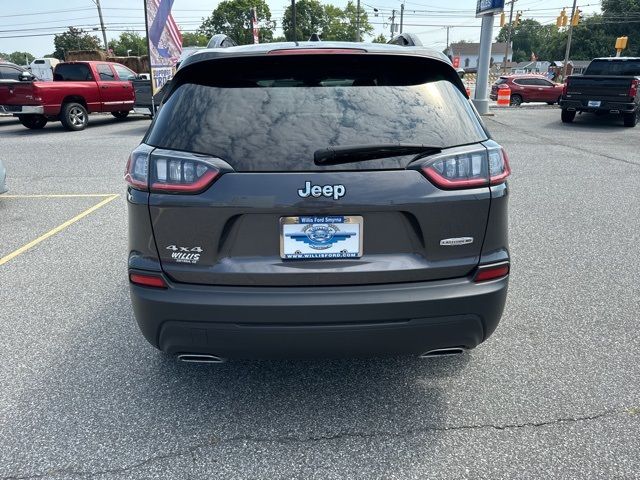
(254,26)
(165,42)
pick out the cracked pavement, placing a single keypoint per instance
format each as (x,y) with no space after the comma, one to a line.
(552,394)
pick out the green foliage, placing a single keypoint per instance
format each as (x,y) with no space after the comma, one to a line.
(593,37)
(380,39)
(129,41)
(329,21)
(233,18)
(19,58)
(74,39)
(190,39)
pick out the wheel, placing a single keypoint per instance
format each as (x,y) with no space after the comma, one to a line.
(516,100)
(34,122)
(74,116)
(121,114)
(567,116)
(631,119)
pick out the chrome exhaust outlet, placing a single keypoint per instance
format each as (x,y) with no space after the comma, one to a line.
(200,358)
(443,352)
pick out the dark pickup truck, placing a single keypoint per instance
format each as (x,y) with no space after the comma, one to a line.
(609,85)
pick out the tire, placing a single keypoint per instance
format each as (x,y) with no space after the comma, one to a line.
(122,114)
(567,116)
(34,122)
(74,116)
(631,119)
(550,103)
(516,100)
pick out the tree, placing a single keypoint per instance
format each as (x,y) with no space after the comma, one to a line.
(310,18)
(19,58)
(129,41)
(233,18)
(330,22)
(190,39)
(380,39)
(74,39)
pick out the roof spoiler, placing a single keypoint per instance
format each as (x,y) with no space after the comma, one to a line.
(406,40)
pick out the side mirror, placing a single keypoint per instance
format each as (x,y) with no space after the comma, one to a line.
(26,77)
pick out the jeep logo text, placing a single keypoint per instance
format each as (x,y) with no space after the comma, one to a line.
(335,191)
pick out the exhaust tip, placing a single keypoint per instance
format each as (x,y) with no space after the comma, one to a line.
(200,358)
(444,352)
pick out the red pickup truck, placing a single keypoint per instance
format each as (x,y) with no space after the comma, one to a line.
(78,88)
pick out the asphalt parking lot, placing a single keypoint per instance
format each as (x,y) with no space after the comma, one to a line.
(554,393)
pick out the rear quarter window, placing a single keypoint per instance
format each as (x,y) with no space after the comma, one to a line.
(268,114)
(72,72)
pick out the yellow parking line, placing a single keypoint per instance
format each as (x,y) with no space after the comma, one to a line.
(61,195)
(57,229)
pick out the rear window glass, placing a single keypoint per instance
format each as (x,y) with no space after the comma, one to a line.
(614,67)
(501,80)
(268,114)
(72,72)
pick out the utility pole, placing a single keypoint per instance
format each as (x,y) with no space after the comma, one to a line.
(393,22)
(506,52)
(401,16)
(104,33)
(568,50)
(358,21)
(447,49)
(293,17)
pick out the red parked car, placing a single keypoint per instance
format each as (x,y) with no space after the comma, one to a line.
(78,88)
(528,88)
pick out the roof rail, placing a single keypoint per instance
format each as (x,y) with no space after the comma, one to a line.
(406,40)
(221,40)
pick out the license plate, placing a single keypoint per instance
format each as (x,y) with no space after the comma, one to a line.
(320,237)
(594,103)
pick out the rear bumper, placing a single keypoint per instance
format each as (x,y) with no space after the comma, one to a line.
(605,106)
(22,109)
(261,322)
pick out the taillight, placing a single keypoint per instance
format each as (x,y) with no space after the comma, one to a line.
(484,273)
(477,168)
(170,171)
(565,87)
(633,91)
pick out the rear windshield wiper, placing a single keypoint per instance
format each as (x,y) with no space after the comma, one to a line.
(360,153)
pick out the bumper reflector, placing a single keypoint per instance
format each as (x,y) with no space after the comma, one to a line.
(491,272)
(154,281)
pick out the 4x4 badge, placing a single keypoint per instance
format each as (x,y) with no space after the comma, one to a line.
(335,191)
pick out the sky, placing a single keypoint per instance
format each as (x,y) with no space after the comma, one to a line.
(29,25)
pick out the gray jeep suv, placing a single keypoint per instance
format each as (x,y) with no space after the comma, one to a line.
(317,199)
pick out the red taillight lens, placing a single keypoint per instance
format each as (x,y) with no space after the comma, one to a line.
(499,168)
(491,272)
(633,91)
(179,172)
(155,281)
(169,171)
(137,172)
(478,168)
(565,87)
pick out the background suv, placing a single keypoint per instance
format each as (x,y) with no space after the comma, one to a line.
(528,88)
(319,199)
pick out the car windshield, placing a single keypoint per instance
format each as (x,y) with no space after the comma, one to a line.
(614,67)
(275,120)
